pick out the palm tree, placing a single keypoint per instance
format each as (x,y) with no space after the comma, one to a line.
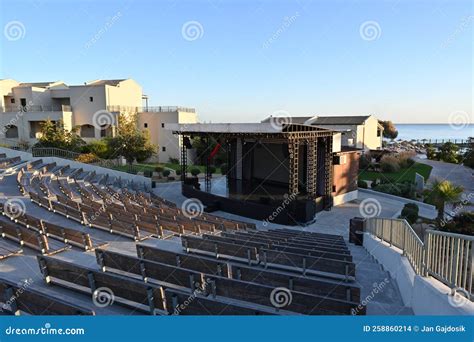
(442,192)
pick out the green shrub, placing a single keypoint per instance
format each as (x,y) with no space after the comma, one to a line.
(212,169)
(173,160)
(462,223)
(195,171)
(365,161)
(362,184)
(99,147)
(159,168)
(166,173)
(178,172)
(223,168)
(410,212)
(404,189)
(147,173)
(375,182)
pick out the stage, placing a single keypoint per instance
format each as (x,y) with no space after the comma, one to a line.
(279,173)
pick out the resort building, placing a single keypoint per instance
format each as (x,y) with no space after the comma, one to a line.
(93,108)
(361,132)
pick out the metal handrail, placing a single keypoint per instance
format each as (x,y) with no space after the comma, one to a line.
(36,108)
(151,109)
(447,257)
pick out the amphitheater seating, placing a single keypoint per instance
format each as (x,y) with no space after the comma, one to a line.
(8,249)
(17,299)
(30,238)
(219,285)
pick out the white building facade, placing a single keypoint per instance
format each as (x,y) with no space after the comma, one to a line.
(92,108)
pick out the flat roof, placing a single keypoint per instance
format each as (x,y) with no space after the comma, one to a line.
(242,128)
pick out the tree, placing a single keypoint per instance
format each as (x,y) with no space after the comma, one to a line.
(130,142)
(53,134)
(389,130)
(443,192)
(449,152)
(469,155)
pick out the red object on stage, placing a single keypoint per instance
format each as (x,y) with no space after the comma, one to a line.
(214,151)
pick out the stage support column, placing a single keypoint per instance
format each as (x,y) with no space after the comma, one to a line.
(329,174)
(293,150)
(311,166)
(207,176)
(184,158)
(238,158)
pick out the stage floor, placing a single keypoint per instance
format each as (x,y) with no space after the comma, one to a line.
(255,191)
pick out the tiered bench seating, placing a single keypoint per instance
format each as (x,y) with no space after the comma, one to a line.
(8,249)
(17,299)
(30,238)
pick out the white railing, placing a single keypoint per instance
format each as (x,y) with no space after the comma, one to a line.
(445,256)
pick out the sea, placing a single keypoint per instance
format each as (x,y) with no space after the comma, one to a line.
(434,131)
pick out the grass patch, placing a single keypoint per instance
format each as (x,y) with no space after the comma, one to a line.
(407,174)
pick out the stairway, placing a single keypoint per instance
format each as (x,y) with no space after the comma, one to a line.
(378,289)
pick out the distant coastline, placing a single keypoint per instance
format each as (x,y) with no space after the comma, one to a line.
(434,131)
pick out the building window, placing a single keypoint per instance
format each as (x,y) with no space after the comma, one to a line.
(106,131)
(163,149)
(12,100)
(11,132)
(87,131)
(162,125)
(145,125)
(91,99)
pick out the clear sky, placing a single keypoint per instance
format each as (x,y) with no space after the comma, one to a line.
(407,61)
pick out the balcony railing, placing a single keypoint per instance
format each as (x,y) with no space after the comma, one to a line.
(153,109)
(35,108)
(446,257)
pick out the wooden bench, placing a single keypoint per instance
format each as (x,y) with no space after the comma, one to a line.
(8,249)
(30,238)
(126,291)
(71,236)
(317,286)
(192,262)
(321,266)
(219,249)
(179,303)
(18,298)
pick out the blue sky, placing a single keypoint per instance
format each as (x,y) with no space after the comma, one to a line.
(255,58)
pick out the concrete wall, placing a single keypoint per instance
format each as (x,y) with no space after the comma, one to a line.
(425,295)
(162,137)
(370,139)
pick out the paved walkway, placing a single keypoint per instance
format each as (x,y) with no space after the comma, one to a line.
(455,173)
